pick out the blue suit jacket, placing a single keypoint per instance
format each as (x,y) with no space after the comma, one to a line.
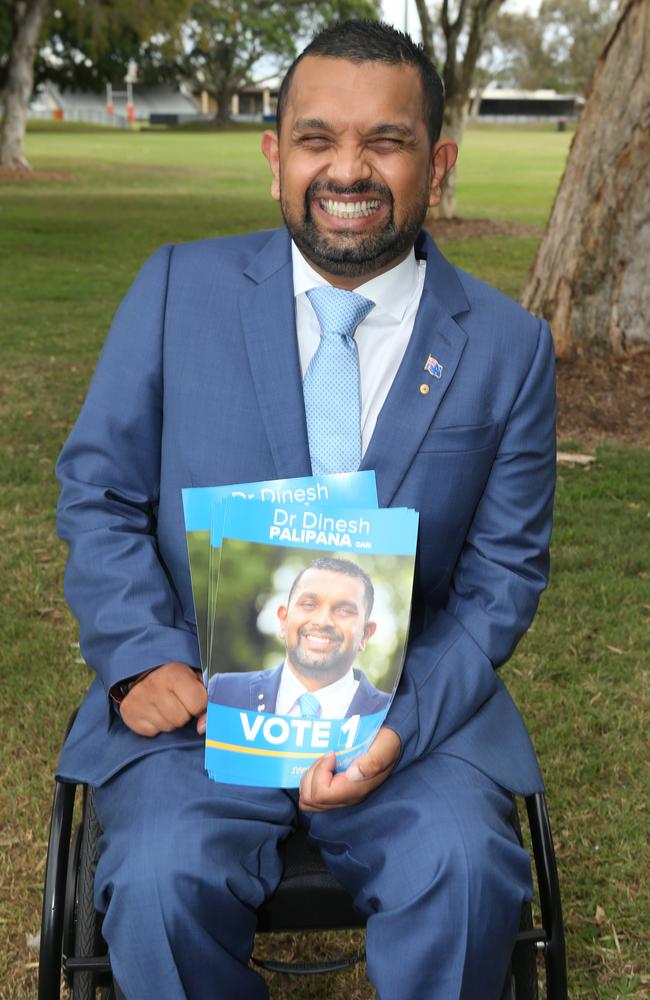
(199,384)
(258,691)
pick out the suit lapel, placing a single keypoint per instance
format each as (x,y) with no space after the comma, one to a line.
(268,319)
(367,699)
(264,688)
(415,395)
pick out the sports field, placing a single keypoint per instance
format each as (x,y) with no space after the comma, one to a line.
(70,242)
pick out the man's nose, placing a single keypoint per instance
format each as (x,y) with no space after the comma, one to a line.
(323,617)
(349,165)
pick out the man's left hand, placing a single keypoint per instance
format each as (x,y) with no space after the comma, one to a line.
(322,789)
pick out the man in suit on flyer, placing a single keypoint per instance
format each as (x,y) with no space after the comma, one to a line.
(324,625)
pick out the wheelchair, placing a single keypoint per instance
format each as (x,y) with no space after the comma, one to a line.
(308,898)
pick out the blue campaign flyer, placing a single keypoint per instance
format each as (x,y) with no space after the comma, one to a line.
(357,488)
(310,627)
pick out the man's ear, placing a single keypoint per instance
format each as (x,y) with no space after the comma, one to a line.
(443,158)
(369,630)
(271,150)
(282,618)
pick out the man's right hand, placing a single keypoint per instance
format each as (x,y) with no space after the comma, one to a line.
(164,700)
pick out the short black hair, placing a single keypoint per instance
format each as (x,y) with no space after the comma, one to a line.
(361,41)
(334,565)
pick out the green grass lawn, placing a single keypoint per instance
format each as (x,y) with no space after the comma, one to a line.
(69,246)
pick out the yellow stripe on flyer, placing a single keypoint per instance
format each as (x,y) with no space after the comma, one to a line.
(258,752)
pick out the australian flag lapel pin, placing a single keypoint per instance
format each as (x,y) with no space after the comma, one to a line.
(433,367)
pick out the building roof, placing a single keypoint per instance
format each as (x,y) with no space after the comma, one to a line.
(496,93)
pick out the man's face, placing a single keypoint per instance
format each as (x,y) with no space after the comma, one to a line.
(324,626)
(353,168)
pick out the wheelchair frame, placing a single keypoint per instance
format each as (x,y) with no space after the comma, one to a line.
(308,898)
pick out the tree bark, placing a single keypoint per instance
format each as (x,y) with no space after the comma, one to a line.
(28,18)
(223,98)
(589,278)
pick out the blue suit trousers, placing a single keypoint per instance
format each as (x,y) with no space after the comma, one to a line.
(185,862)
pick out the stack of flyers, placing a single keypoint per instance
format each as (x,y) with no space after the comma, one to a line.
(354,488)
(305,619)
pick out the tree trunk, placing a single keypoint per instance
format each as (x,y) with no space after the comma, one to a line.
(223,95)
(457,75)
(475,107)
(589,279)
(28,18)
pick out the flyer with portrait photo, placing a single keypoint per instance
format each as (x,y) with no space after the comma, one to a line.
(310,626)
(355,488)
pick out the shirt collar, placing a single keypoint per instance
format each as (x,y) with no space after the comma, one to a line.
(391,291)
(330,697)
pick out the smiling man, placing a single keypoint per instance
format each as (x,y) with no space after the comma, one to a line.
(343,340)
(326,621)
(355,186)
(324,625)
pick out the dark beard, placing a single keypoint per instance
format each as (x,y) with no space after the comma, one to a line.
(328,666)
(359,255)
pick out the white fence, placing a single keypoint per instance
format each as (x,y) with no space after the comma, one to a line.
(94,116)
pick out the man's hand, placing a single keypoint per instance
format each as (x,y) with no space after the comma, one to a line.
(165,699)
(322,789)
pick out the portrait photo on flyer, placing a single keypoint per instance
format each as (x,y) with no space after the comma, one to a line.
(311,617)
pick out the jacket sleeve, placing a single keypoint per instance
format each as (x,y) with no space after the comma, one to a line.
(129,614)
(501,572)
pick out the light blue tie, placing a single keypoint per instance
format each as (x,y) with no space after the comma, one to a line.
(309,705)
(331,386)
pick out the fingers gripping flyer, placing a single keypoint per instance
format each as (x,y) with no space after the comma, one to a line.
(310,622)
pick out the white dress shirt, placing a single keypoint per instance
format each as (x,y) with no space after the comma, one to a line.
(381,338)
(334,699)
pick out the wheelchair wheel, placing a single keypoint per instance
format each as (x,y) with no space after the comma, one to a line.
(524,962)
(523,965)
(87,939)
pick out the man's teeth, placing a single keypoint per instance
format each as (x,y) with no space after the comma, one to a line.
(349,209)
(319,639)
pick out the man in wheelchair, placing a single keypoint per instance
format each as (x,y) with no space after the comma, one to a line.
(200,383)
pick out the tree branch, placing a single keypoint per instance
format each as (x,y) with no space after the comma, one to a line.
(481,13)
(426,23)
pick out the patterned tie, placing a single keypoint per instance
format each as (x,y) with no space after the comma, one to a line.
(331,387)
(309,705)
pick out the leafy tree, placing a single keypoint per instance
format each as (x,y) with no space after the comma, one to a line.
(458,30)
(83,33)
(473,41)
(26,19)
(516,53)
(79,56)
(558,48)
(223,41)
(574,35)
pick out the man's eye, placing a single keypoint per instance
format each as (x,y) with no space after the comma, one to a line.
(384,143)
(314,140)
